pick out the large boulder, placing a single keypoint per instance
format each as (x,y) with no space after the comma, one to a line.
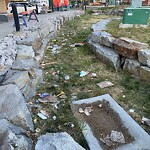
(128,48)
(13,137)
(25,52)
(144,57)
(25,64)
(102,38)
(145,73)
(7,51)
(106,55)
(106,39)
(13,107)
(36,76)
(28,38)
(20,78)
(57,141)
(132,66)
(95,36)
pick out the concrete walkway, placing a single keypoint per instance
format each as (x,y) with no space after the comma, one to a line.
(7,27)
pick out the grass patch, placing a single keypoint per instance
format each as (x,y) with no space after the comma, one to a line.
(133,33)
(70,61)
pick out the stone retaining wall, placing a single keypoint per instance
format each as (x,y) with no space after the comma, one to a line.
(113,11)
(20,55)
(120,53)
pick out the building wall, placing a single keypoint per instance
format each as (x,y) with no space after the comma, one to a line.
(7,1)
(3,6)
(146,2)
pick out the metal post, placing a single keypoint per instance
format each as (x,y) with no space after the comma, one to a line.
(16,18)
(25,8)
(36,9)
(52,6)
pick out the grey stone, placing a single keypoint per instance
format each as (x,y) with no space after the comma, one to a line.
(3,72)
(106,39)
(44,31)
(106,55)
(51,27)
(29,90)
(18,78)
(36,74)
(25,64)
(145,73)
(57,141)
(61,20)
(6,125)
(95,37)
(132,66)
(25,52)
(28,39)
(13,107)
(100,25)
(2,60)
(6,146)
(128,48)
(103,38)
(13,137)
(39,56)
(9,62)
(36,45)
(144,57)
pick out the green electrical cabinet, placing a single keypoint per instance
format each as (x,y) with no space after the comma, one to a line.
(111,2)
(136,16)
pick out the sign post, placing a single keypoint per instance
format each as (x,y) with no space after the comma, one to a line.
(16,18)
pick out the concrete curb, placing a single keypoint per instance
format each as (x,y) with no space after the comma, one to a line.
(142,139)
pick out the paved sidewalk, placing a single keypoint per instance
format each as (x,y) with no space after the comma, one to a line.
(7,27)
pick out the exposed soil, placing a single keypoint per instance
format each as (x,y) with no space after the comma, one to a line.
(102,121)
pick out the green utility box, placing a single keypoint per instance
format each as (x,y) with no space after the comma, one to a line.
(111,2)
(136,16)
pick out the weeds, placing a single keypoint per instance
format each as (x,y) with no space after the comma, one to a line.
(133,33)
(70,61)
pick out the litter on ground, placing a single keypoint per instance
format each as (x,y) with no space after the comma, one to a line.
(146,121)
(83,73)
(115,136)
(42,116)
(48,99)
(105,84)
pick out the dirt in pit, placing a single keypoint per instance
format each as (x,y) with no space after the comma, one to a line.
(102,121)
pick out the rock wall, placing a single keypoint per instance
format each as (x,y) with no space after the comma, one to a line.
(110,11)
(120,53)
(20,55)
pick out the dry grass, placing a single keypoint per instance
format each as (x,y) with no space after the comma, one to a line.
(139,34)
(70,61)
